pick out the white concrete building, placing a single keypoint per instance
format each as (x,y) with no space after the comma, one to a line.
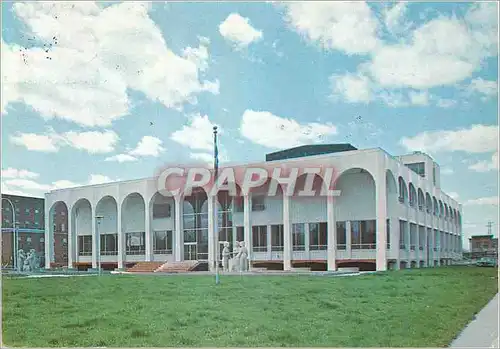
(391,213)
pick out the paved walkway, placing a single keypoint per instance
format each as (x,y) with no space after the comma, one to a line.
(482,332)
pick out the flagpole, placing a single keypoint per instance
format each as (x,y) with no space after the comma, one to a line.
(216,220)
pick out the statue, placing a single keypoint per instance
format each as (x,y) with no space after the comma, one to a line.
(26,266)
(33,258)
(226,254)
(243,257)
(234,263)
(20,260)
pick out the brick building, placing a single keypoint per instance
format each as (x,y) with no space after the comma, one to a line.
(29,213)
(483,246)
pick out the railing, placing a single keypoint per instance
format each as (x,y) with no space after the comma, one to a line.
(162,251)
(412,247)
(299,247)
(135,252)
(421,207)
(401,199)
(363,246)
(259,248)
(109,253)
(318,247)
(341,246)
(275,248)
(402,246)
(85,253)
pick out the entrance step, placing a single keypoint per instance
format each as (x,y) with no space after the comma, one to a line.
(145,267)
(177,267)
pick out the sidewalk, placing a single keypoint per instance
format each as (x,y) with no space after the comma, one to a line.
(482,332)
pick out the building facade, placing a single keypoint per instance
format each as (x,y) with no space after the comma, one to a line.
(391,213)
(483,246)
(25,215)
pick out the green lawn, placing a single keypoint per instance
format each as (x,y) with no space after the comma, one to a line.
(410,308)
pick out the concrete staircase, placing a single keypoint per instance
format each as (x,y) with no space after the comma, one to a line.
(145,267)
(177,267)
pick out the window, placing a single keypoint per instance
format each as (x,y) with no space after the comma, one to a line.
(413,195)
(28,239)
(277,237)
(341,237)
(259,238)
(402,235)
(363,235)
(317,236)
(418,168)
(161,210)
(84,245)
(238,203)
(388,232)
(162,243)
(240,234)
(402,190)
(109,244)
(298,237)
(63,227)
(258,203)
(135,243)
(27,211)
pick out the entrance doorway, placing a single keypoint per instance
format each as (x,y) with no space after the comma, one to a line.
(190,251)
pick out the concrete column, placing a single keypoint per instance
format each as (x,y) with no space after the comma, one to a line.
(148,241)
(395,241)
(408,243)
(71,240)
(381,214)
(121,238)
(331,235)
(287,234)
(269,242)
(48,236)
(417,246)
(179,237)
(348,240)
(307,241)
(438,246)
(247,226)
(95,239)
(211,233)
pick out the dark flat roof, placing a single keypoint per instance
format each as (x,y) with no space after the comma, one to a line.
(309,150)
(481,236)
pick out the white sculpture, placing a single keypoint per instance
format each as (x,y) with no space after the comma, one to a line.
(234,263)
(21,256)
(33,260)
(226,254)
(243,257)
(26,266)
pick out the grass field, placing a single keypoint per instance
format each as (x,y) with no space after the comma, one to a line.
(419,307)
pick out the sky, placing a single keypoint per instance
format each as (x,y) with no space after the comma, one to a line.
(98,92)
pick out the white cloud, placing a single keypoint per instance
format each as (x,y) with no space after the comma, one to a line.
(354,88)
(19,184)
(198,134)
(239,31)
(346,26)
(485,201)
(476,139)
(94,142)
(447,171)
(272,131)
(35,142)
(445,103)
(486,166)
(148,146)
(394,18)
(419,98)
(121,158)
(15,173)
(484,87)
(96,53)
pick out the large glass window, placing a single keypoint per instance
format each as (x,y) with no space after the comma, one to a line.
(402,235)
(317,236)
(259,238)
(363,235)
(277,237)
(195,220)
(258,203)
(109,244)
(162,243)
(240,234)
(161,210)
(135,243)
(298,237)
(418,168)
(341,236)
(85,245)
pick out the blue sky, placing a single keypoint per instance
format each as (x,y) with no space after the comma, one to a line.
(95,92)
